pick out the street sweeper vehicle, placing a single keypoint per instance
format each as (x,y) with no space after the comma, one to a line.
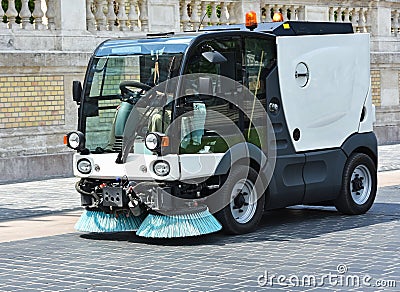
(186,134)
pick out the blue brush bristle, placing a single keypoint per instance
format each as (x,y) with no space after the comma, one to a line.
(163,226)
(97,221)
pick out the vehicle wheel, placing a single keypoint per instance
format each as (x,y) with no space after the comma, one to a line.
(244,210)
(359,185)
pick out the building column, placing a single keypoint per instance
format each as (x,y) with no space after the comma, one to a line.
(70,15)
(316,13)
(163,15)
(381,19)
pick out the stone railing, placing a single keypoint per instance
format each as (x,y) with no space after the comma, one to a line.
(82,23)
(202,13)
(138,15)
(361,14)
(101,15)
(120,15)
(289,12)
(42,17)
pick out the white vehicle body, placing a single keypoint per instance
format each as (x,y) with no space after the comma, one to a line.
(337,90)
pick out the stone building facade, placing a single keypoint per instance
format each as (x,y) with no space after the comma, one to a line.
(42,50)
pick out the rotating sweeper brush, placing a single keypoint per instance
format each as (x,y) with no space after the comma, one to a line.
(179,224)
(98,221)
(195,223)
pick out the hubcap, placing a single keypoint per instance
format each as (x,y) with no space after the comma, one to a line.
(243,201)
(360,184)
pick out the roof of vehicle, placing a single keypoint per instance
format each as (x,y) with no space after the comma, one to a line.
(124,46)
(290,28)
(130,46)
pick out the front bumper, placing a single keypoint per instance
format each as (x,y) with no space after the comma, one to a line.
(138,167)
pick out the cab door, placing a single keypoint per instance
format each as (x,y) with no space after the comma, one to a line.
(287,185)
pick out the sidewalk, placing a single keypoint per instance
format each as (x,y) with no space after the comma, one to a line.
(389,157)
(26,199)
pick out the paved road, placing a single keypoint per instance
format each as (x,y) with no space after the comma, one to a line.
(293,243)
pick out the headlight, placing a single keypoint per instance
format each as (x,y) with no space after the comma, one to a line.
(153,141)
(84,166)
(76,140)
(161,168)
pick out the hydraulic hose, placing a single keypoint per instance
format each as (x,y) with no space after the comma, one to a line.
(79,190)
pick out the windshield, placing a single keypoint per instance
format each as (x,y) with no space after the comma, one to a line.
(118,77)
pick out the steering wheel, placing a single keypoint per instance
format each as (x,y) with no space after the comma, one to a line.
(130,95)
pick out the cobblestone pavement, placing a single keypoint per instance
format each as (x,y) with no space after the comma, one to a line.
(311,242)
(292,242)
(25,199)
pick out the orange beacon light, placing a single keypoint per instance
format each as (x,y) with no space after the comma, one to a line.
(251,20)
(278,17)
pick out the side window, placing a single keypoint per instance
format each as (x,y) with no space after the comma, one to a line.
(230,49)
(213,114)
(259,59)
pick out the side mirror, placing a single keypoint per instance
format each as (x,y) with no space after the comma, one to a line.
(214,57)
(76,91)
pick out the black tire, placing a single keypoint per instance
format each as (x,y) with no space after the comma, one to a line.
(359,184)
(225,216)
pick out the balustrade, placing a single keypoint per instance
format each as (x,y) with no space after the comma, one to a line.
(28,18)
(358,16)
(289,12)
(229,12)
(114,15)
(197,12)
(133,15)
